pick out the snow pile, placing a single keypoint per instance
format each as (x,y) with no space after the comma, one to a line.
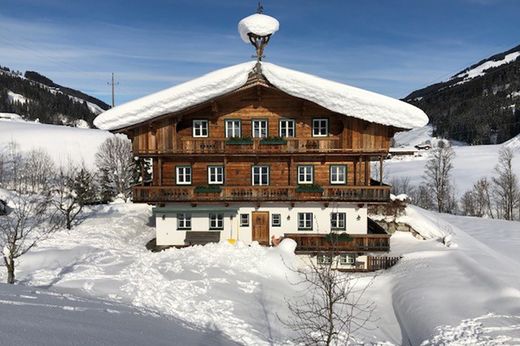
(334,96)
(62,143)
(402,197)
(480,69)
(10,117)
(258,24)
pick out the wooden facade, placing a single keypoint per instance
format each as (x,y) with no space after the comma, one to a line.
(169,141)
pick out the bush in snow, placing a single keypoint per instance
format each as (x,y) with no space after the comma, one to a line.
(29,219)
(115,163)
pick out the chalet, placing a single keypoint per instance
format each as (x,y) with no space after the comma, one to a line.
(255,152)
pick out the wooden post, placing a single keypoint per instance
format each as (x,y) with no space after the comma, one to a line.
(367,170)
(174,135)
(142,171)
(358,179)
(381,170)
(160,171)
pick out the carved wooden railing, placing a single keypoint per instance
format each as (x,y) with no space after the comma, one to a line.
(158,194)
(223,145)
(311,243)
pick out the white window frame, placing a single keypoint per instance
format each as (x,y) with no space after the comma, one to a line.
(199,126)
(216,221)
(307,173)
(335,174)
(258,126)
(244,220)
(307,219)
(287,125)
(214,177)
(347,259)
(336,221)
(184,221)
(182,177)
(324,259)
(236,130)
(260,173)
(276,220)
(317,131)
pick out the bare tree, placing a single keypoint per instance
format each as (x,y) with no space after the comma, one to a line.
(38,171)
(12,167)
(402,185)
(116,166)
(477,201)
(505,185)
(332,304)
(437,176)
(29,219)
(73,189)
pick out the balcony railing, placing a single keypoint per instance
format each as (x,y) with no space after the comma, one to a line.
(159,194)
(256,145)
(312,243)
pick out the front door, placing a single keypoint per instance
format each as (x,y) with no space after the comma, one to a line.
(261,227)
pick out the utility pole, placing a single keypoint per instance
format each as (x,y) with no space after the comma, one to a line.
(113,84)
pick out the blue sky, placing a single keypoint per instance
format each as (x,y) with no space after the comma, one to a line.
(388,46)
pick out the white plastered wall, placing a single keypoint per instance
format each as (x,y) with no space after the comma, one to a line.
(356,221)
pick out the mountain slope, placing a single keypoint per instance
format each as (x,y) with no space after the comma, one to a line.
(35,96)
(479,105)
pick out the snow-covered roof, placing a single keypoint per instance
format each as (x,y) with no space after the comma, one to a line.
(258,24)
(334,96)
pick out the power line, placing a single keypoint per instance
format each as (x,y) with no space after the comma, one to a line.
(113,84)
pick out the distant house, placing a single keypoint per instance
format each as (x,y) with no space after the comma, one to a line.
(255,152)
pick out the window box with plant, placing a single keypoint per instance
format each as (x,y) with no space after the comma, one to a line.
(239,141)
(208,189)
(309,188)
(273,141)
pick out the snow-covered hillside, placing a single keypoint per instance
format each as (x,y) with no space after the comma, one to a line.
(62,143)
(465,295)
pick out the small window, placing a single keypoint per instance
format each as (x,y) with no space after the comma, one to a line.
(184,221)
(324,259)
(216,175)
(216,221)
(305,221)
(305,174)
(347,259)
(338,221)
(287,128)
(320,127)
(233,128)
(259,128)
(183,175)
(200,128)
(338,174)
(276,220)
(260,175)
(244,220)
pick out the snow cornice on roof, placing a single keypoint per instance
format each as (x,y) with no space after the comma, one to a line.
(337,97)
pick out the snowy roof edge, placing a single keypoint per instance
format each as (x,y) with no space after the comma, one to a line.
(337,97)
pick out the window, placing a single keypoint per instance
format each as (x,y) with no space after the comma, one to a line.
(244,220)
(183,175)
(320,127)
(305,174)
(276,220)
(260,175)
(184,221)
(216,221)
(338,221)
(338,174)
(347,259)
(324,259)
(200,128)
(233,128)
(259,128)
(287,128)
(215,174)
(305,221)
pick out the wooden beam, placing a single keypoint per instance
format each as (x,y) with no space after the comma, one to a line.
(381,170)
(160,170)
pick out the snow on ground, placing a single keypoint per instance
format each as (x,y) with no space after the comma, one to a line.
(470,164)
(436,294)
(413,137)
(37,316)
(481,69)
(62,143)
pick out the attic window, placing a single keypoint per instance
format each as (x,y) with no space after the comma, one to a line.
(200,128)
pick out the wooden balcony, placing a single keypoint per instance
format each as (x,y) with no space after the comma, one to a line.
(162,194)
(313,243)
(255,145)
